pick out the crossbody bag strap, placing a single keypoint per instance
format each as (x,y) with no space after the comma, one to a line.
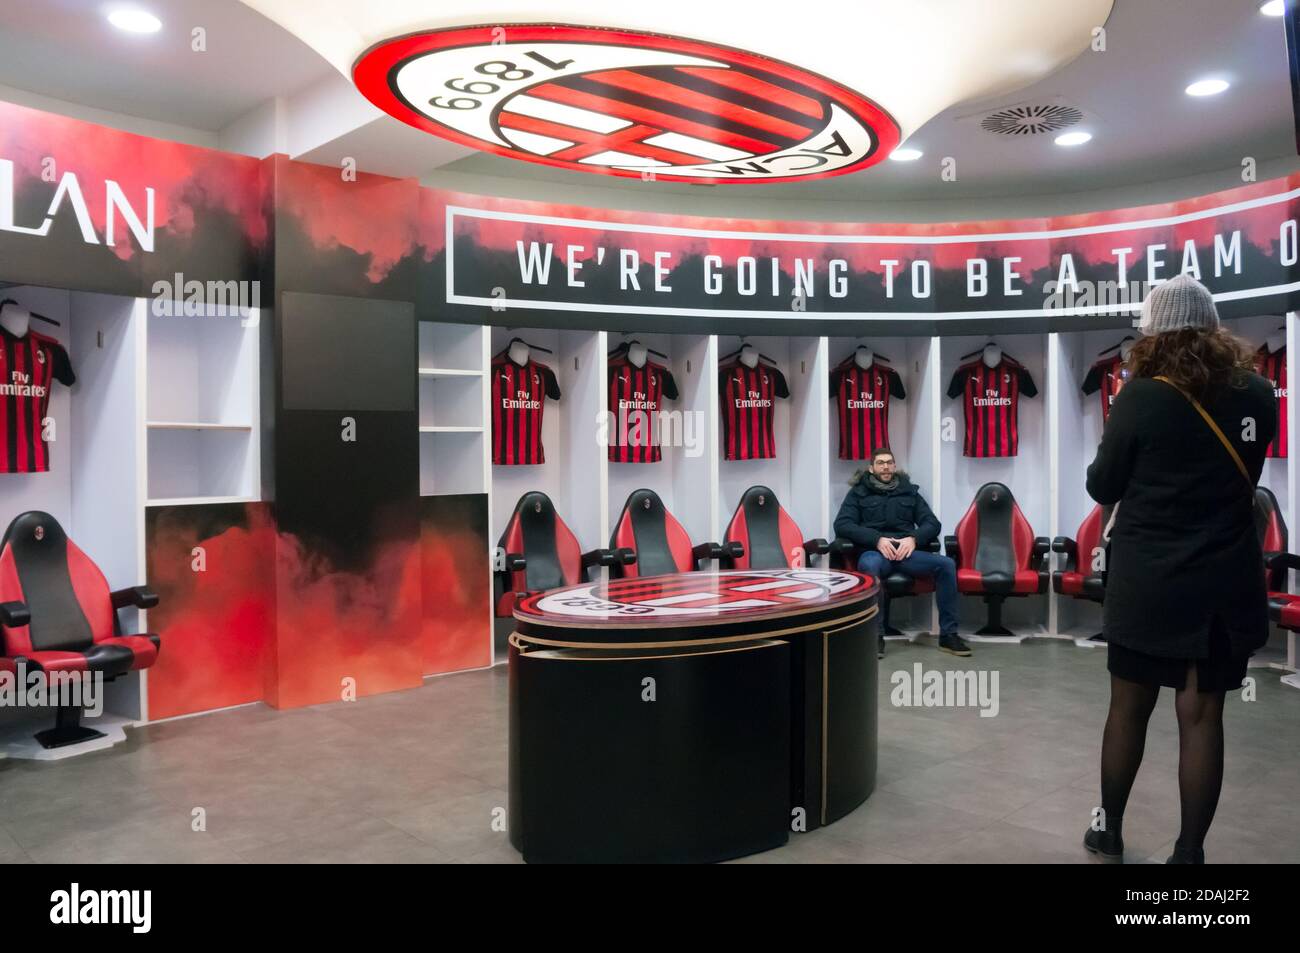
(1236,457)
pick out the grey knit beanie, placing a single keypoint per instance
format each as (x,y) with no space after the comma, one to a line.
(1181,302)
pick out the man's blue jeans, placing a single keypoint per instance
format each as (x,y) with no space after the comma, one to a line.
(919,564)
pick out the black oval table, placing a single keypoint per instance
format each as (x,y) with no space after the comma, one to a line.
(690,717)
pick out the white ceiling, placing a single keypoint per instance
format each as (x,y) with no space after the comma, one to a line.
(1145,128)
(66,49)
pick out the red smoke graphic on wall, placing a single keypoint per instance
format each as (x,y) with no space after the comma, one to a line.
(245,614)
(211,568)
(340,633)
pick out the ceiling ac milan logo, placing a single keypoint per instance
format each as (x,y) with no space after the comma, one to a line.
(623,103)
(699,593)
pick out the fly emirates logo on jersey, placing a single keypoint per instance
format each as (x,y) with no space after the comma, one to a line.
(992,398)
(865,401)
(753,398)
(20,385)
(521,401)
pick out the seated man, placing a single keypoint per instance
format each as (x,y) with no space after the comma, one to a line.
(885,514)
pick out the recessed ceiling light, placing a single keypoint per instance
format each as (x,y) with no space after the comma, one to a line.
(1207,87)
(906,155)
(135,20)
(1073,138)
(1273,8)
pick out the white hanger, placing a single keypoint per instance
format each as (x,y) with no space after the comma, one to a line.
(863,356)
(15,319)
(519,352)
(749,356)
(636,354)
(992,355)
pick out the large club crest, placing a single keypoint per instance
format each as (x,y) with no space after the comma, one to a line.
(622,103)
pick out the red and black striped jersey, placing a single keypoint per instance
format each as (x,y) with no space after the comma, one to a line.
(635,398)
(28,366)
(1107,376)
(518,400)
(748,408)
(991,399)
(1273,367)
(862,398)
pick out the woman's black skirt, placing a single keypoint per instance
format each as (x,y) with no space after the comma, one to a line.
(1221,672)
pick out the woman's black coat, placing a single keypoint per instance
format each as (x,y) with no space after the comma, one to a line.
(1184,546)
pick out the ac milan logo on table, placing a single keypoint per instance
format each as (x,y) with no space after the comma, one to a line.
(623,103)
(697,593)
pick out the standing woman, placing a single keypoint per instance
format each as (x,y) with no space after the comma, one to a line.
(1185,603)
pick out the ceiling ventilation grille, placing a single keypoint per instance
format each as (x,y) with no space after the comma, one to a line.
(1031,120)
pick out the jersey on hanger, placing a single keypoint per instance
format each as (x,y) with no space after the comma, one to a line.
(749,397)
(635,397)
(862,398)
(1273,367)
(28,365)
(518,400)
(1108,376)
(991,399)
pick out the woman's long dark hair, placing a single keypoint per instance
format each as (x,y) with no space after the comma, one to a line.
(1205,363)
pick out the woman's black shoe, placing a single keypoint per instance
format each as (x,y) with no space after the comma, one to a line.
(1108,845)
(1183,855)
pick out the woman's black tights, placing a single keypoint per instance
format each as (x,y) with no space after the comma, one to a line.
(1200,752)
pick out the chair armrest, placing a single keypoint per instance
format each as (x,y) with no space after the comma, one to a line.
(730,550)
(1064,544)
(839,546)
(14,614)
(816,547)
(515,562)
(141,597)
(951,549)
(706,551)
(608,557)
(1282,561)
(1042,546)
(1068,546)
(931,547)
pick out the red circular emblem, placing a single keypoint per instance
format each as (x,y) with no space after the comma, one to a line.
(623,103)
(694,595)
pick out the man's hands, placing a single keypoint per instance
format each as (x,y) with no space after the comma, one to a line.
(896,549)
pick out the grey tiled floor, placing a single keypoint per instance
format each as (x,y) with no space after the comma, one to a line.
(417,776)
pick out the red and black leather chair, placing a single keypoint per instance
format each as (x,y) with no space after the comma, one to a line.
(997,554)
(1080,578)
(57,614)
(1273,539)
(896,585)
(660,542)
(1283,607)
(769,537)
(538,551)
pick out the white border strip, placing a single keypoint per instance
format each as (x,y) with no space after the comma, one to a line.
(612,226)
(535,305)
